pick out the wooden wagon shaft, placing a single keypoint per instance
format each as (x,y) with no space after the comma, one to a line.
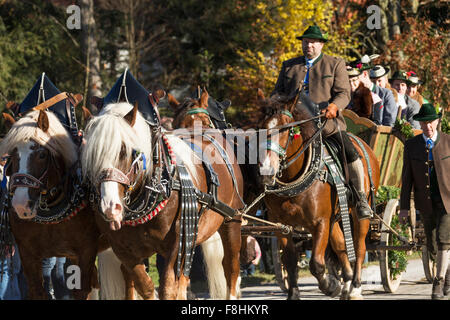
(400,237)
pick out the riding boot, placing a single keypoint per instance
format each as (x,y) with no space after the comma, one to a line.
(442,272)
(447,283)
(438,289)
(356,173)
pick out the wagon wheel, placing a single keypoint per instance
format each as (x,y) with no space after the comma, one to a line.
(429,266)
(390,283)
(281,274)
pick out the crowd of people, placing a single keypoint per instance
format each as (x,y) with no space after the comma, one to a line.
(381,98)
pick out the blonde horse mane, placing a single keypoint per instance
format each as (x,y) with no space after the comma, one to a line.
(106,134)
(57,139)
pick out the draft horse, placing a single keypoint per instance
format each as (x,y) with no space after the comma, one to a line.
(49,212)
(197,112)
(301,196)
(123,159)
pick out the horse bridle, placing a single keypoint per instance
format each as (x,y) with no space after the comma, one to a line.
(126,179)
(201,110)
(275,147)
(26,180)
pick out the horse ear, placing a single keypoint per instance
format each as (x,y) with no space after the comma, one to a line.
(9,120)
(43,123)
(260,95)
(13,106)
(130,117)
(160,94)
(97,102)
(173,103)
(87,115)
(204,99)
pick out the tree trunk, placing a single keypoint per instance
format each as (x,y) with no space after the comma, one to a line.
(91,54)
(390,22)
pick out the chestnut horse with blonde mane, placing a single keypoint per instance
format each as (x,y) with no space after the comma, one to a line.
(48,214)
(119,145)
(315,206)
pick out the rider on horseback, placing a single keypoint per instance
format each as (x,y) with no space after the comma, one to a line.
(324,78)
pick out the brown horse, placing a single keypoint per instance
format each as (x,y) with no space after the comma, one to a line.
(49,215)
(314,206)
(119,159)
(194,112)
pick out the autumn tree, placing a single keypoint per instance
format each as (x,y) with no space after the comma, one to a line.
(280,23)
(423,49)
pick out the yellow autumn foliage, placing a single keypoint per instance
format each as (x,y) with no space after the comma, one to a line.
(282,21)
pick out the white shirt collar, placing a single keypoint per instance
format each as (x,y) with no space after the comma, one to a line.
(312,60)
(402,101)
(434,137)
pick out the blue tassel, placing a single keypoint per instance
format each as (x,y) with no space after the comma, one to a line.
(144,160)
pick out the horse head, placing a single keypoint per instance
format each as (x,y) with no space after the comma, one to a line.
(191,112)
(114,158)
(40,152)
(284,141)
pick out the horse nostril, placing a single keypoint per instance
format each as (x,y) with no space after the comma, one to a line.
(118,207)
(29,204)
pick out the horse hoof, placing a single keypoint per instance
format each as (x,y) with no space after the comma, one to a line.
(330,287)
(294,295)
(345,291)
(356,294)
(336,291)
(345,296)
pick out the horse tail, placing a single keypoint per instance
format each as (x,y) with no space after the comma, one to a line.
(112,283)
(213,254)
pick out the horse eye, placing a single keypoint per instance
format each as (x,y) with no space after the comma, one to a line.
(42,154)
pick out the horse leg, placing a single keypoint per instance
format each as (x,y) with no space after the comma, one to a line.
(230,233)
(168,282)
(129,283)
(86,263)
(361,227)
(32,269)
(143,283)
(338,245)
(328,285)
(95,285)
(289,258)
(183,283)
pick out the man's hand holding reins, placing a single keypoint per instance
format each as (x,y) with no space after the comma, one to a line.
(331,111)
